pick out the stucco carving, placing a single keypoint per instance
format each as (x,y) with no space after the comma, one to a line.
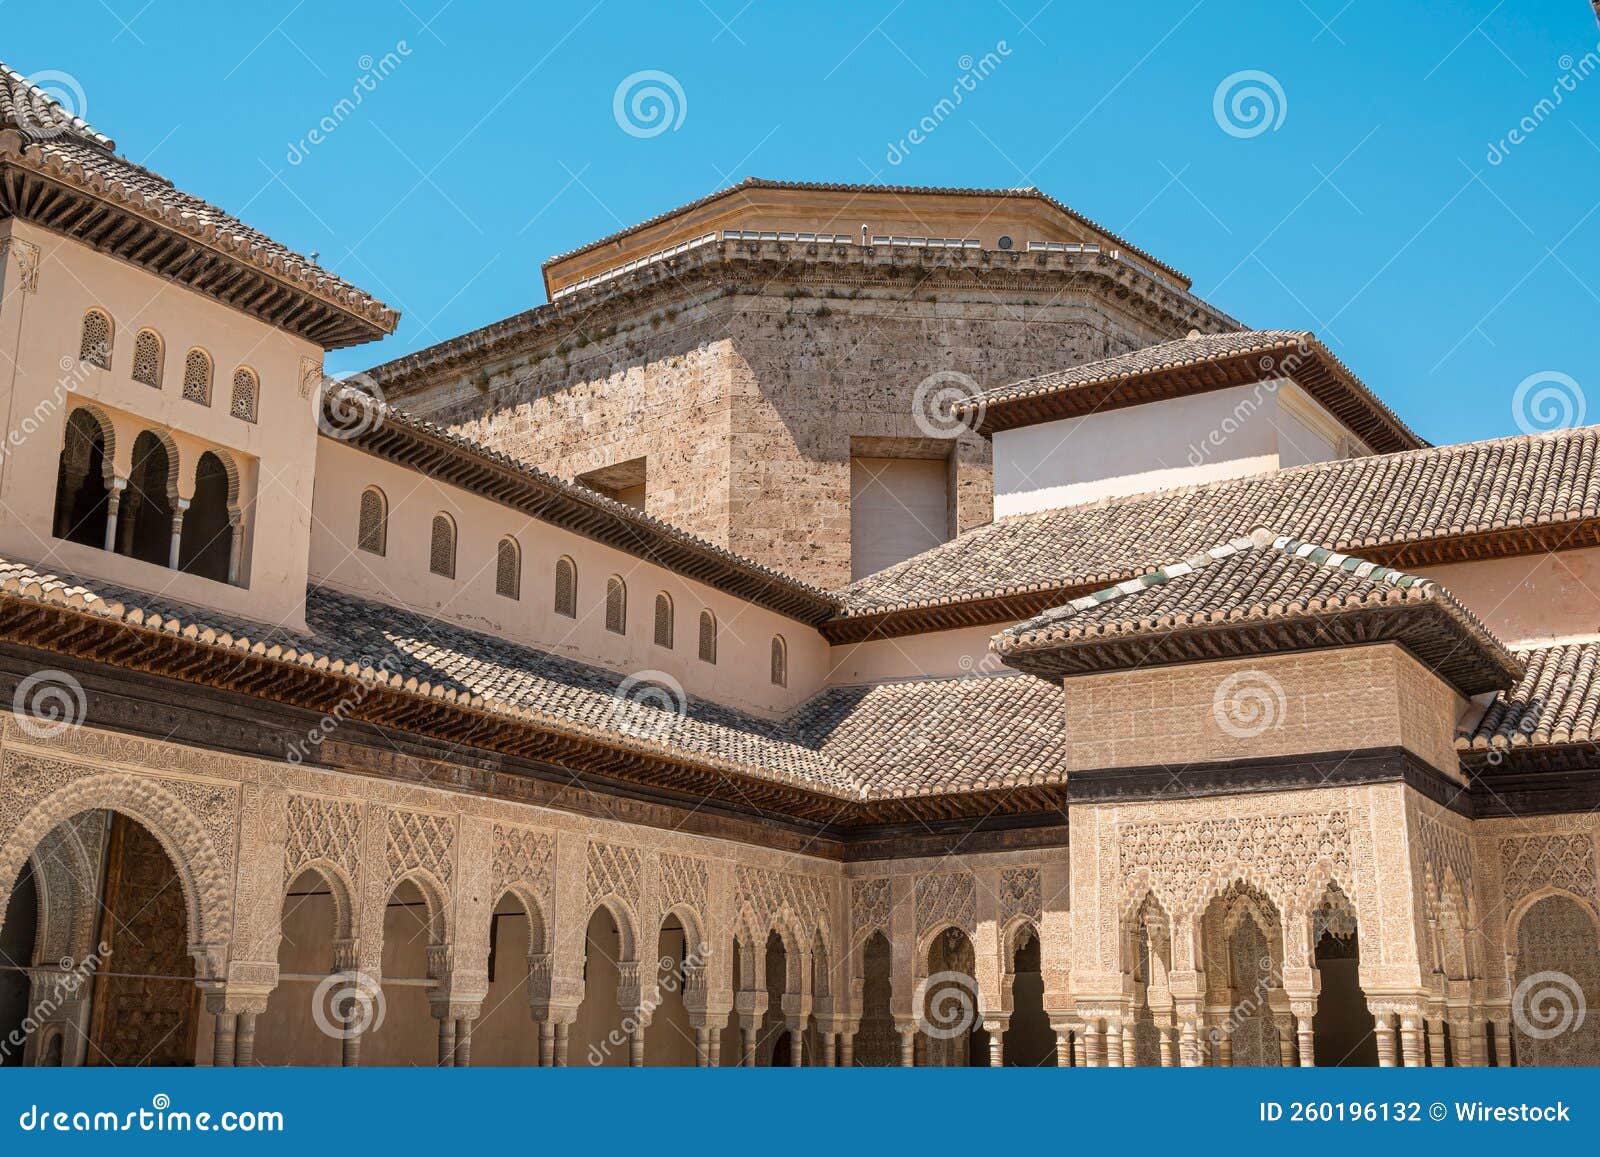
(947,898)
(1559,860)
(615,870)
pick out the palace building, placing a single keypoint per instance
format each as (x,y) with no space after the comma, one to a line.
(847,625)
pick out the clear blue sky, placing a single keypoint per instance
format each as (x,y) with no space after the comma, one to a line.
(1371,213)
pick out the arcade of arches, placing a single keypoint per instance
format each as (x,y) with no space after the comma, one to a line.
(170,906)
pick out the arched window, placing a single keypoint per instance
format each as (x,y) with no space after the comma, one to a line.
(197,377)
(206,545)
(246,389)
(442,549)
(664,620)
(780,662)
(508,568)
(81,495)
(616,606)
(144,521)
(372,532)
(566,587)
(94,346)
(708,637)
(148,355)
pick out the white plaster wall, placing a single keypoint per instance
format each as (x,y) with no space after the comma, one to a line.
(938,653)
(739,678)
(1537,598)
(41,377)
(1230,433)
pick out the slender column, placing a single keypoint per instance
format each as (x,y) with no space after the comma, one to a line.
(797,1048)
(702,1047)
(178,507)
(1091,1043)
(1499,1031)
(1386,1042)
(636,1047)
(1224,1052)
(561,1044)
(113,504)
(997,1049)
(1308,1055)
(463,1057)
(244,1047)
(547,1044)
(350,1052)
(714,1056)
(1436,1043)
(1411,1040)
(222,1040)
(829,1042)
(235,546)
(1130,1048)
(1284,1023)
(847,1050)
(908,1045)
(447,1042)
(1080,1048)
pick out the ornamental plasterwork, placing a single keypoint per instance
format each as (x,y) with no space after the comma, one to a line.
(1020,895)
(768,893)
(522,856)
(869,908)
(947,898)
(615,870)
(419,840)
(1560,860)
(1443,847)
(684,880)
(27,257)
(322,829)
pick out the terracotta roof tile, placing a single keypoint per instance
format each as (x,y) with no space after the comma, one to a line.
(1556,701)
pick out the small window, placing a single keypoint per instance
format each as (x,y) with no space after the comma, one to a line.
(147,358)
(664,620)
(372,535)
(616,606)
(780,662)
(442,549)
(94,347)
(566,587)
(246,388)
(708,637)
(197,377)
(508,569)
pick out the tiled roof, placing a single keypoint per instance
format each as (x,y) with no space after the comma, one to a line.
(1394,502)
(926,736)
(1027,192)
(365,421)
(1556,701)
(1195,364)
(1261,593)
(863,743)
(64,149)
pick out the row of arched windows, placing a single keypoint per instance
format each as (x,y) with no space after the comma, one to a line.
(149,365)
(141,516)
(372,536)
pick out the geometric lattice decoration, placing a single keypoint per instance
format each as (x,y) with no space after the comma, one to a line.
(147,358)
(197,377)
(94,347)
(246,388)
(508,569)
(947,898)
(614,870)
(442,548)
(708,637)
(322,829)
(1559,861)
(420,840)
(869,908)
(1020,894)
(566,588)
(683,881)
(768,893)
(523,857)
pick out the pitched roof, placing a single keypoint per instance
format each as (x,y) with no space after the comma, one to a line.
(1262,593)
(846,747)
(64,175)
(1557,701)
(1027,193)
(1192,365)
(365,421)
(1419,507)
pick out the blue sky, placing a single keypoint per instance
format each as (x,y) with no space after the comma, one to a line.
(1370,211)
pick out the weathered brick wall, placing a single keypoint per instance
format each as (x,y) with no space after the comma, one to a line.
(745,401)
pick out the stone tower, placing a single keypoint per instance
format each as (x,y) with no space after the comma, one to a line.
(766,367)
